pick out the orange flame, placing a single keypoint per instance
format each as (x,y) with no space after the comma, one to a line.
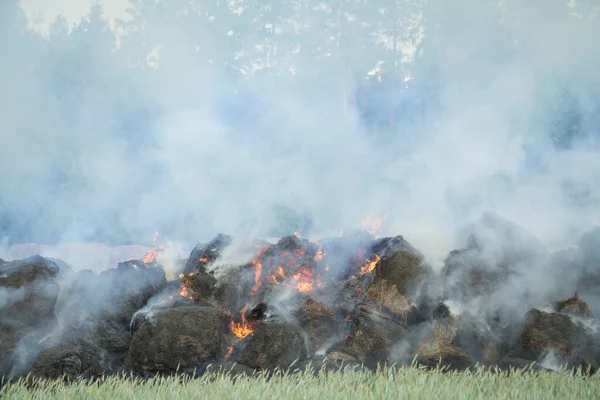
(203,260)
(257,262)
(183,292)
(297,234)
(372,224)
(150,256)
(320,254)
(229,352)
(242,329)
(304,279)
(370,265)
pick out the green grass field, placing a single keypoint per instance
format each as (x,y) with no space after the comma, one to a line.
(404,383)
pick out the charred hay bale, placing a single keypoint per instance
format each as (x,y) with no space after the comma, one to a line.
(16,274)
(183,337)
(565,272)
(484,342)
(503,241)
(10,334)
(67,363)
(387,296)
(20,343)
(467,275)
(204,254)
(272,346)
(589,247)
(390,245)
(404,269)
(437,348)
(336,354)
(30,289)
(371,336)
(317,320)
(99,308)
(349,293)
(574,306)
(544,331)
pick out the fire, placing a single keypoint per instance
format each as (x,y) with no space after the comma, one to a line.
(150,256)
(183,292)
(257,262)
(242,329)
(304,279)
(372,224)
(203,260)
(370,265)
(229,352)
(320,254)
(297,234)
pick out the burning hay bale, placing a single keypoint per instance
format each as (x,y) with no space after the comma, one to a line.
(387,296)
(437,347)
(271,346)
(196,287)
(318,322)
(204,254)
(574,306)
(184,338)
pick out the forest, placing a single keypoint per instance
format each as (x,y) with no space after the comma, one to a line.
(82,104)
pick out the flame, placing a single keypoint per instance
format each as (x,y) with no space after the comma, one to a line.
(373,224)
(203,260)
(229,352)
(370,265)
(183,292)
(320,254)
(150,256)
(257,262)
(304,279)
(297,235)
(242,329)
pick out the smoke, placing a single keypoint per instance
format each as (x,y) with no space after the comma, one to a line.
(215,134)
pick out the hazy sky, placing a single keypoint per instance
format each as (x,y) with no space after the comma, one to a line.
(42,12)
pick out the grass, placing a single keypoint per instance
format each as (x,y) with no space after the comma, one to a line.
(408,383)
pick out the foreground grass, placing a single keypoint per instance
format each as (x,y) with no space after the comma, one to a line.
(404,383)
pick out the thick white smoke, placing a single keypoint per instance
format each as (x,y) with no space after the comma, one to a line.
(207,117)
